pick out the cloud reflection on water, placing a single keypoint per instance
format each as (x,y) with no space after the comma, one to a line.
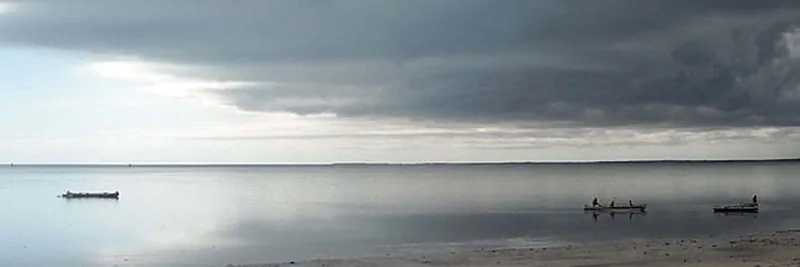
(216,216)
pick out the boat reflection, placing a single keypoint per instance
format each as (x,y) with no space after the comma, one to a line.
(737,214)
(613,214)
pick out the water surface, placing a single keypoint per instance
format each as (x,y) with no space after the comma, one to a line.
(212,216)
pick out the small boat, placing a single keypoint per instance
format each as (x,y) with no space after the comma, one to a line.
(616,208)
(70,195)
(745,207)
(615,211)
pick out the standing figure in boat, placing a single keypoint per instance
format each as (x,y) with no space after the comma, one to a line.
(630,203)
(755,199)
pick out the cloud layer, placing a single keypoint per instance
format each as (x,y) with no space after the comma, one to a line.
(663,63)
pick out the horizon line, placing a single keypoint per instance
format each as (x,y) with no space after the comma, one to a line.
(377,163)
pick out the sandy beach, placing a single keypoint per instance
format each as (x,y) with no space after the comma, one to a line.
(780,248)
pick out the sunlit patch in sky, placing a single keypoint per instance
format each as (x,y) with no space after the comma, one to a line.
(6,7)
(161,79)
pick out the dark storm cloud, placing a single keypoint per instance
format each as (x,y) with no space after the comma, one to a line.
(590,63)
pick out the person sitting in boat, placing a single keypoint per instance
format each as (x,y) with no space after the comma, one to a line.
(630,203)
(755,199)
(612,203)
(595,203)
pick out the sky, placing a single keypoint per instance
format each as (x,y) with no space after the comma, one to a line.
(311,81)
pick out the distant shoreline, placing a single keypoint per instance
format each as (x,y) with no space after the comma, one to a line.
(366,164)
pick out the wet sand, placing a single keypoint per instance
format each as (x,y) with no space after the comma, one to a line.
(780,248)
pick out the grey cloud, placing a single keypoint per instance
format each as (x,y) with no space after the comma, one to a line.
(269,31)
(580,63)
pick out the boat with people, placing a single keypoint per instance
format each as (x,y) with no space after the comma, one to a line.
(596,206)
(739,207)
(641,207)
(70,195)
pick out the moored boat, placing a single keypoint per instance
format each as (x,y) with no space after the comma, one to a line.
(70,195)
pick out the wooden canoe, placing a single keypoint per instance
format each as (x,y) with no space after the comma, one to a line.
(70,195)
(737,208)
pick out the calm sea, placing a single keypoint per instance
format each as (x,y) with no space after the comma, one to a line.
(213,216)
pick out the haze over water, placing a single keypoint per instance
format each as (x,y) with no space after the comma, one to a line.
(213,216)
